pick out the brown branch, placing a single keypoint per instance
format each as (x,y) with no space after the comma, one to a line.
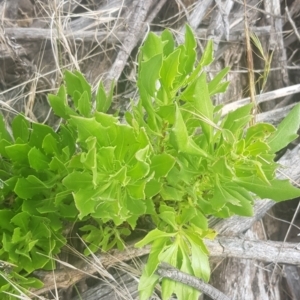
(140,9)
(167,271)
(290,90)
(250,67)
(292,22)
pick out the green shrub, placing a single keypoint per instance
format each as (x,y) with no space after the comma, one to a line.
(173,159)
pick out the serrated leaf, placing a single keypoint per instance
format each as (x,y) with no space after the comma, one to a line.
(208,56)
(103,99)
(171,193)
(86,200)
(152,188)
(153,45)
(59,104)
(161,164)
(105,119)
(259,131)
(190,46)
(38,160)
(89,127)
(84,104)
(168,42)
(198,94)
(18,153)
(149,74)
(184,142)
(28,187)
(20,127)
(39,132)
(286,130)
(76,85)
(221,196)
(137,189)
(169,70)
(78,180)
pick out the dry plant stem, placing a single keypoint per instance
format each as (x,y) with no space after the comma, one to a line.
(274,116)
(167,271)
(220,24)
(265,251)
(196,17)
(140,9)
(250,67)
(292,22)
(290,90)
(223,247)
(40,34)
(276,44)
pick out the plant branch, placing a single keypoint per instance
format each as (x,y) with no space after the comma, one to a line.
(167,271)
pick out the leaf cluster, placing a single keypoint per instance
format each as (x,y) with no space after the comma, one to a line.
(174,159)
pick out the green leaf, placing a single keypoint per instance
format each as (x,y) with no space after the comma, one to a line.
(245,207)
(221,196)
(76,85)
(20,127)
(103,100)
(28,187)
(184,142)
(153,46)
(171,193)
(5,217)
(50,145)
(190,46)
(199,258)
(198,94)
(59,104)
(39,132)
(259,131)
(89,127)
(105,119)
(168,214)
(168,42)
(18,153)
(85,201)
(153,235)
(84,105)
(238,118)
(137,189)
(152,188)
(169,70)
(208,56)
(38,160)
(149,74)
(215,86)
(278,190)
(286,131)
(161,164)
(78,180)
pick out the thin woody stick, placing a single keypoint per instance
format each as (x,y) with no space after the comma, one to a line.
(250,67)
